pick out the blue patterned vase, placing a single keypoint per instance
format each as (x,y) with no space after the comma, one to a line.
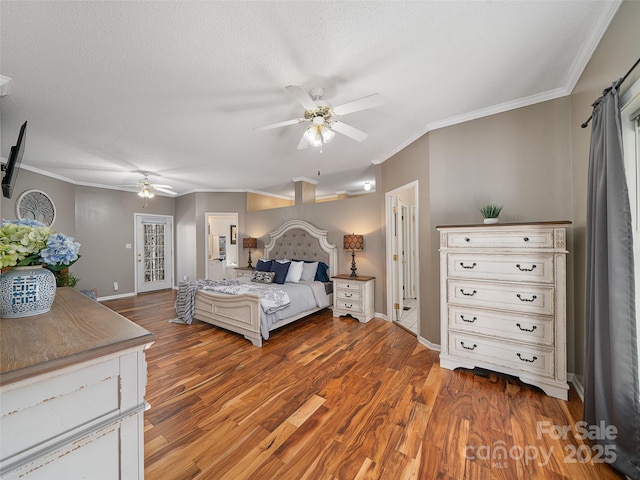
(26,291)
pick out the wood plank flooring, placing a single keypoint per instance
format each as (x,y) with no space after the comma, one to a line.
(331,398)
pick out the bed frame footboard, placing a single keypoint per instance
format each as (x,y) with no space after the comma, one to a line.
(237,313)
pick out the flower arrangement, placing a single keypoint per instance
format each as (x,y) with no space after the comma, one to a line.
(26,242)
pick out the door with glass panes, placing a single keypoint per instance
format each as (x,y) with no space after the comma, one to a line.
(154,252)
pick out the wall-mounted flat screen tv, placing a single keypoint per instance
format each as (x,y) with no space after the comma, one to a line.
(12,166)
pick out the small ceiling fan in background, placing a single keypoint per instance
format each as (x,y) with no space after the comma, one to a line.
(323,117)
(148,189)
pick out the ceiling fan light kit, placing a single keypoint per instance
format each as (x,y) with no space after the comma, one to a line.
(146,192)
(324,117)
(318,133)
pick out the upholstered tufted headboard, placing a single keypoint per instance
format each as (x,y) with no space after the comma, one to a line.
(297,239)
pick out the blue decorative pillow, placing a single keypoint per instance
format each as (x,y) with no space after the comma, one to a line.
(281,270)
(322,274)
(263,266)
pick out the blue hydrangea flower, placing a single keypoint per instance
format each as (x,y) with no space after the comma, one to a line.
(60,250)
(23,221)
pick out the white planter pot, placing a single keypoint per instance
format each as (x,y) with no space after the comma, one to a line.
(491,220)
(26,291)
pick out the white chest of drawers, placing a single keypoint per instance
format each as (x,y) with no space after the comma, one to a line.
(72,384)
(503,301)
(353,296)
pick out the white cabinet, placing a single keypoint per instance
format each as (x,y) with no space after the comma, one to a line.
(353,296)
(72,393)
(503,301)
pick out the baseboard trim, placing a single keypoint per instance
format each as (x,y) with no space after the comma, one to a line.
(577,384)
(114,297)
(431,346)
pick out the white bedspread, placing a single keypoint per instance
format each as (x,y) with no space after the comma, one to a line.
(272,298)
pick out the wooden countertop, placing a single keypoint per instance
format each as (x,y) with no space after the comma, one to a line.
(512,224)
(76,329)
(357,278)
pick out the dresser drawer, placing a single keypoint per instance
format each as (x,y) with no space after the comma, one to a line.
(535,299)
(349,295)
(348,285)
(43,411)
(528,329)
(525,358)
(542,238)
(349,305)
(517,268)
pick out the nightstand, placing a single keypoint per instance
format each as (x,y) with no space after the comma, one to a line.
(353,296)
(243,272)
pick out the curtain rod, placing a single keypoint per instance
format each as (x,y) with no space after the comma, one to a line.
(617,85)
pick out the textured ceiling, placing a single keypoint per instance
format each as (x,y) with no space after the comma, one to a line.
(176,88)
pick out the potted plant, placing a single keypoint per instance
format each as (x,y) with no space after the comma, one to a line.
(31,256)
(490,213)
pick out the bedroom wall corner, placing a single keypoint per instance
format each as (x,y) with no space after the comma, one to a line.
(519,159)
(616,52)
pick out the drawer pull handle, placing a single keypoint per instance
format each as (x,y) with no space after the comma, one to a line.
(526,329)
(526,359)
(525,269)
(348,295)
(467,239)
(533,297)
(467,320)
(470,348)
(468,266)
(468,294)
(526,239)
(348,306)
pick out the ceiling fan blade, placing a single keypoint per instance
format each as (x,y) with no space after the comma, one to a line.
(370,101)
(349,131)
(279,124)
(303,143)
(163,190)
(301,95)
(157,185)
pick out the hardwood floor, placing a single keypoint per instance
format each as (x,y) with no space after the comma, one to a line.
(330,398)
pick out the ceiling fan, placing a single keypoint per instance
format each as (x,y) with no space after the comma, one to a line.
(323,117)
(148,189)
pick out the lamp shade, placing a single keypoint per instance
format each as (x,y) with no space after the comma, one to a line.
(249,242)
(354,242)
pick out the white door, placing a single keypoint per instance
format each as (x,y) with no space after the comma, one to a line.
(402,256)
(395,257)
(154,252)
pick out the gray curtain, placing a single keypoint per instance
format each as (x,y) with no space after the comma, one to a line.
(611,357)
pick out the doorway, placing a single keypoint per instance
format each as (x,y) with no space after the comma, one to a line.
(403,303)
(221,245)
(154,252)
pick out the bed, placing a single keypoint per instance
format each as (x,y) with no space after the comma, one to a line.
(240,307)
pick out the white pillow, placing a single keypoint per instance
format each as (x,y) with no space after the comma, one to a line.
(295,272)
(309,271)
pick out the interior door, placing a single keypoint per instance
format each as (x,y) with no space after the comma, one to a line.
(396,258)
(154,252)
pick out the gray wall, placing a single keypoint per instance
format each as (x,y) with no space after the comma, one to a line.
(616,53)
(409,165)
(61,193)
(101,220)
(104,225)
(519,159)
